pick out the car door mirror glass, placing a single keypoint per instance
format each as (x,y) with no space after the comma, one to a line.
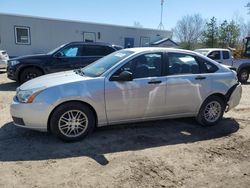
(59,54)
(124,76)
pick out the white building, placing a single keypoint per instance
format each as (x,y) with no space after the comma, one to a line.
(21,35)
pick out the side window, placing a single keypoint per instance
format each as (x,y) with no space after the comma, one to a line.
(215,55)
(207,67)
(143,66)
(92,50)
(182,64)
(71,51)
(226,55)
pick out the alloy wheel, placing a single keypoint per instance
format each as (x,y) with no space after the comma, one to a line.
(212,111)
(73,123)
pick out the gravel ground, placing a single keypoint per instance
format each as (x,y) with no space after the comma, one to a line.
(171,153)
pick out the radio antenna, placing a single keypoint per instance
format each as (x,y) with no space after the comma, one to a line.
(161,26)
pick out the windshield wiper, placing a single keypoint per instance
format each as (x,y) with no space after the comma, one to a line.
(79,71)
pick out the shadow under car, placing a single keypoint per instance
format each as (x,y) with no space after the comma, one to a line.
(18,144)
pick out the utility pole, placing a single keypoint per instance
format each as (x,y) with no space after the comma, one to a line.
(161,26)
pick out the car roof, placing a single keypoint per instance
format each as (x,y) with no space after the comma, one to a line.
(148,49)
(90,43)
(214,49)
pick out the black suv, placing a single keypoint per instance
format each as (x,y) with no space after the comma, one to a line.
(69,56)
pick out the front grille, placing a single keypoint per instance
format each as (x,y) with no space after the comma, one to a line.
(18,121)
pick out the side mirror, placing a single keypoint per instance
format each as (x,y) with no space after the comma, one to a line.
(124,76)
(58,54)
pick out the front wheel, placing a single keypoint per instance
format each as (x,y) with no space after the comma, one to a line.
(243,76)
(211,111)
(29,73)
(72,121)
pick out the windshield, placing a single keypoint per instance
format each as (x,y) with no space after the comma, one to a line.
(102,65)
(56,49)
(203,52)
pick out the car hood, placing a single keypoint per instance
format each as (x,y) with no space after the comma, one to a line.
(37,56)
(54,79)
(227,66)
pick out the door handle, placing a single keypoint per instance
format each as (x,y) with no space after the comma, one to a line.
(200,78)
(154,82)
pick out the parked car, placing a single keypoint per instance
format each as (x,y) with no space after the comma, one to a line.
(4,57)
(225,56)
(129,85)
(66,57)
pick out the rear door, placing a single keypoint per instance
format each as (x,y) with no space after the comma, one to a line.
(186,84)
(91,53)
(226,58)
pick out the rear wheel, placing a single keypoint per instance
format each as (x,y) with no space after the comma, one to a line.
(211,111)
(29,73)
(72,121)
(243,76)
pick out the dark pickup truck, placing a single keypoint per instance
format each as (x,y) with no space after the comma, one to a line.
(69,56)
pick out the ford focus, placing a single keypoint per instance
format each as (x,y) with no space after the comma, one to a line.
(129,85)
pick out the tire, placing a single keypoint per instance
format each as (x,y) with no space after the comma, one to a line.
(205,117)
(243,76)
(72,121)
(29,73)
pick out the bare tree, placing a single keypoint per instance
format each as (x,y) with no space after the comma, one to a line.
(189,30)
(245,29)
(248,7)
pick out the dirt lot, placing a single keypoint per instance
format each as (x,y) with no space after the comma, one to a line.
(172,153)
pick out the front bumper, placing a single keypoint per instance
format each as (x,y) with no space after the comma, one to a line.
(32,116)
(11,73)
(235,97)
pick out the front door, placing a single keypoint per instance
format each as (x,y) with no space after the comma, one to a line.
(186,85)
(68,58)
(142,98)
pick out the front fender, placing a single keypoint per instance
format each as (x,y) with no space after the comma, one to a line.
(21,67)
(90,92)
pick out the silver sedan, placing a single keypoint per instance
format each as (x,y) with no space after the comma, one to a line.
(130,85)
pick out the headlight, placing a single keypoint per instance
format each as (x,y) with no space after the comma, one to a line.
(27,96)
(13,62)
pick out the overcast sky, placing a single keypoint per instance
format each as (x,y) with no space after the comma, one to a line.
(126,12)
